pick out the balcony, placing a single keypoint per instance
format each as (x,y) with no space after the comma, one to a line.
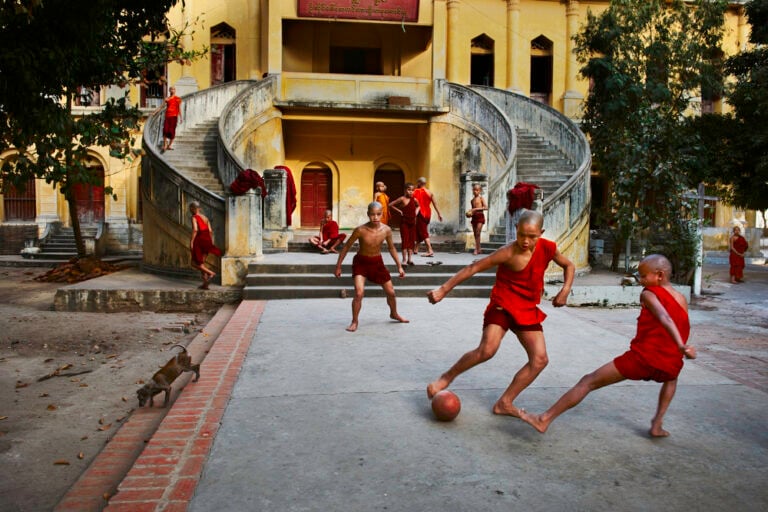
(375,93)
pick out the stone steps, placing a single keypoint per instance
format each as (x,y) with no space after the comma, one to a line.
(195,155)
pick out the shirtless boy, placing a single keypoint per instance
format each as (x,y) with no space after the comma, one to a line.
(479,206)
(513,306)
(368,263)
(656,353)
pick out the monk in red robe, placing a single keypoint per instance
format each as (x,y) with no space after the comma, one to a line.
(201,243)
(513,306)
(656,353)
(329,237)
(409,210)
(737,246)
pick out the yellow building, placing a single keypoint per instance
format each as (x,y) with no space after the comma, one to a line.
(350,92)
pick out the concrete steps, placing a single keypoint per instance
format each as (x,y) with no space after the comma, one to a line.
(540,163)
(194,155)
(61,245)
(276,281)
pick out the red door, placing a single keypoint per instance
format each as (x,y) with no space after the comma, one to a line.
(315,196)
(90,200)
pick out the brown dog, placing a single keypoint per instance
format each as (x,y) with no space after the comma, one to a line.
(162,380)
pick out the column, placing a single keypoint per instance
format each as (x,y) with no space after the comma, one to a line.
(187,84)
(454,48)
(513,46)
(243,237)
(743,34)
(277,233)
(572,98)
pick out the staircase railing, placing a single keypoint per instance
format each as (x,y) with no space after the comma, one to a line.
(488,124)
(238,121)
(567,210)
(167,193)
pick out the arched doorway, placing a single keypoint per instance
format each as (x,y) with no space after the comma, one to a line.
(316,183)
(541,70)
(223,56)
(482,61)
(89,198)
(394,179)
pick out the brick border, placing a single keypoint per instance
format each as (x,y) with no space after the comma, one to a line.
(162,474)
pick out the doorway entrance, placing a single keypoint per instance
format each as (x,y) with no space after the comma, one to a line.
(90,199)
(481,63)
(394,179)
(315,194)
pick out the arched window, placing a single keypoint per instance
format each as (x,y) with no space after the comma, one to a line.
(19,202)
(223,55)
(482,65)
(541,70)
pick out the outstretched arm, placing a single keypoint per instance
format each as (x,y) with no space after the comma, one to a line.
(654,306)
(569,271)
(393,253)
(345,250)
(494,259)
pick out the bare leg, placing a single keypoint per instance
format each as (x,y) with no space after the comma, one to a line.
(389,289)
(478,228)
(428,243)
(603,376)
(489,344)
(665,398)
(357,302)
(533,343)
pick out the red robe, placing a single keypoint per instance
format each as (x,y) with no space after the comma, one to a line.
(653,344)
(408,225)
(203,244)
(518,293)
(331,232)
(737,262)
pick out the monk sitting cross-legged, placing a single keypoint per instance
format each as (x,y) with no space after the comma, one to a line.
(513,306)
(656,353)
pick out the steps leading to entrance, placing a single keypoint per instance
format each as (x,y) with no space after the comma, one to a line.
(540,163)
(194,155)
(61,245)
(296,281)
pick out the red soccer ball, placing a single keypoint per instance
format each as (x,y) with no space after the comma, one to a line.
(446,405)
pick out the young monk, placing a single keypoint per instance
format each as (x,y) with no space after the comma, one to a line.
(381,197)
(426,200)
(329,237)
(513,306)
(409,211)
(479,206)
(737,247)
(201,243)
(368,263)
(656,353)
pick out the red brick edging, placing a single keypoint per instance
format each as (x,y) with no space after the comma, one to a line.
(165,475)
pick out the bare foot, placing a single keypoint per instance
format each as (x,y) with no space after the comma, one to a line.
(436,387)
(533,420)
(504,409)
(352,327)
(324,250)
(657,431)
(334,251)
(395,316)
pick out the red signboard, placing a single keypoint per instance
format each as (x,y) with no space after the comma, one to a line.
(381,10)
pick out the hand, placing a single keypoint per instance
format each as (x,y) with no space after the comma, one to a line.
(435,295)
(689,352)
(401,271)
(337,272)
(561,299)
(439,217)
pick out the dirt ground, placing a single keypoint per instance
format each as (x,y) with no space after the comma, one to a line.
(51,429)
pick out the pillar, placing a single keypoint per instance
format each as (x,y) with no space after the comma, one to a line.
(454,47)
(243,237)
(277,233)
(187,84)
(572,98)
(513,44)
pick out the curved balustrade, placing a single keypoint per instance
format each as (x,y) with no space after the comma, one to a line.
(566,212)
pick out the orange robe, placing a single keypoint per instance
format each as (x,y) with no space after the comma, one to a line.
(518,293)
(383,199)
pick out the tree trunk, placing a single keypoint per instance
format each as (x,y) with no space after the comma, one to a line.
(71,202)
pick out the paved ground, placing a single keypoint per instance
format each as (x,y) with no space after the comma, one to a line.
(300,415)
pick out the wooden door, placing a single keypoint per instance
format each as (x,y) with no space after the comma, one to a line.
(90,200)
(20,204)
(315,195)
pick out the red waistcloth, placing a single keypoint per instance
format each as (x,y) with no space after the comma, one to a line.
(653,344)
(518,293)
(425,203)
(478,218)
(169,127)
(246,180)
(737,262)
(370,267)
(203,244)
(521,195)
(174,106)
(290,193)
(422,228)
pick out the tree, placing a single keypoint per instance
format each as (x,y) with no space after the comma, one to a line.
(48,51)
(732,152)
(644,59)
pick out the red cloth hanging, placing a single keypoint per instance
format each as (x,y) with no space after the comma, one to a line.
(522,195)
(246,180)
(290,193)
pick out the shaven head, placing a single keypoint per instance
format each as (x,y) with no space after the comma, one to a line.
(658,263)
(374,205)
(531,217)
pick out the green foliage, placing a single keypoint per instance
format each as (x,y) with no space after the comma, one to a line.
(645,60)
(48,50)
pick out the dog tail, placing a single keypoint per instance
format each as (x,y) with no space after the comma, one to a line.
(182,347)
